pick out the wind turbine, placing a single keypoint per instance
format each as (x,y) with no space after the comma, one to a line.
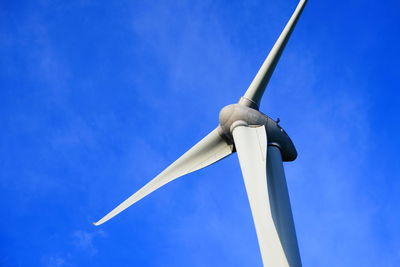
(261,145)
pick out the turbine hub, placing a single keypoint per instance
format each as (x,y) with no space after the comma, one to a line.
(235,115)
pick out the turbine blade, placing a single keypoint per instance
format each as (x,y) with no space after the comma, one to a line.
(209,150)
(280,205)
(271,210)
(254,93)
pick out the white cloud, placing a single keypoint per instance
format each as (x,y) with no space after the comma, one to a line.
(56,261)
(84,240)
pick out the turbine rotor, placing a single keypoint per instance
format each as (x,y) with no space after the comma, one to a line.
(235,115)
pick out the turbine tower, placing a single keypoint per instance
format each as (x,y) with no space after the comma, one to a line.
(261,145)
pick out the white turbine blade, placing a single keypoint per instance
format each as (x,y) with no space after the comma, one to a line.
(257,86)
(251,146)
(280,205)
(209,150)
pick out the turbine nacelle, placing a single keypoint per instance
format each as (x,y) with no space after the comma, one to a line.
(235,115)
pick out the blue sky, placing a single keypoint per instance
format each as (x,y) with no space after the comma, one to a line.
(97,97)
